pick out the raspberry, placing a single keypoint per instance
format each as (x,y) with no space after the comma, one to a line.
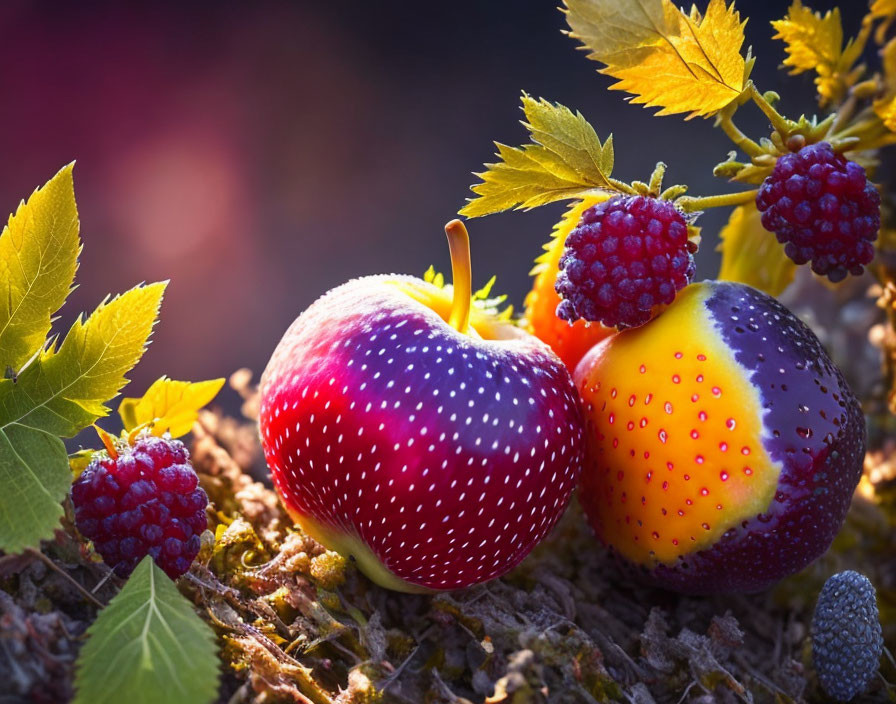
(823,209)
(145,502)
(846,635)
(627,256)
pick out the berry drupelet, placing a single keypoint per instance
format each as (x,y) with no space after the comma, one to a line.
(823,209)
(627,256)
(145,501)
(846,635)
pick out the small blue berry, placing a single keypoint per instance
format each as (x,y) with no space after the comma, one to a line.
(847,641)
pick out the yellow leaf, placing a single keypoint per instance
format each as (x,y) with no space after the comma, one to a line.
(38,259)
(885,106)
(883,8)
(815,43)
(79,461)
(752,255)
(566,160)
(888,62)
(886,111)
(171,406)
(667,59)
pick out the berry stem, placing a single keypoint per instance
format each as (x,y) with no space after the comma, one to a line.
(868,130)
(461,275)
(747,145)
(622,187)
(66,576)
(690,204)
(781,124)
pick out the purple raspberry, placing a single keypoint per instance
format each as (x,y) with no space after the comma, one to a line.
(147,501)
(627,256)
(823,209)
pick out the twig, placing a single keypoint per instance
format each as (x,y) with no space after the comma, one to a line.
(71,580)
(687,691)
(386,681)
(890,656)
(106,578)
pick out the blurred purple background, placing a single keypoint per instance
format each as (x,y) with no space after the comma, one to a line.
(258,154)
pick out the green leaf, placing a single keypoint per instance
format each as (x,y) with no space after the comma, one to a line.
(34,479)
(61,392)
(66,389)
(752,255)
(38,259)
(566,160)
(148,646)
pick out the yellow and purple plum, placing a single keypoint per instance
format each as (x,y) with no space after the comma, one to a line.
(724,446)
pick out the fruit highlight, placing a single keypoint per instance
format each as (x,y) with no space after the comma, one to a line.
(430,441)
(723,444)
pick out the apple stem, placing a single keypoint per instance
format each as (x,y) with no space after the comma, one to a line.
(461,275)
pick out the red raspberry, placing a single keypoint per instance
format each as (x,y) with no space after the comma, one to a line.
(627,256)
(824,210)
(145,502)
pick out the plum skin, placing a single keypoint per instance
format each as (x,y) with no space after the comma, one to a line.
(813,434)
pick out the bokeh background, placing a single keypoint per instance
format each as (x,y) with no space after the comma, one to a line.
(258,154)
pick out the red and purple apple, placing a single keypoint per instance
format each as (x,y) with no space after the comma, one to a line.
(431,441)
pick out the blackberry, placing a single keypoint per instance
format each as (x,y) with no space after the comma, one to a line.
(846,635)
(144,502)
(823,209)
(626,257)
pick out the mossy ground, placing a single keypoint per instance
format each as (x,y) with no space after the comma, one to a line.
(299,624)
